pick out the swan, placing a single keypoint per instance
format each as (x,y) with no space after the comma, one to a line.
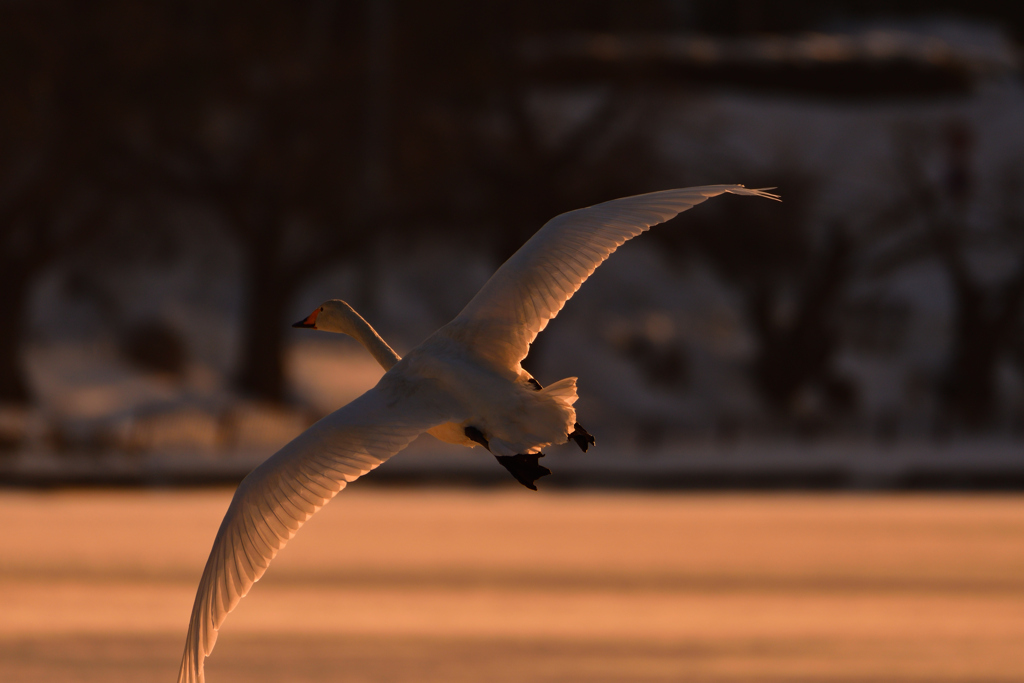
(463,384)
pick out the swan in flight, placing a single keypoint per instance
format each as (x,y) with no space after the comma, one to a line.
(464,385)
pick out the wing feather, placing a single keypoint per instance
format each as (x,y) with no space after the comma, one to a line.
(515,305)
(281,494)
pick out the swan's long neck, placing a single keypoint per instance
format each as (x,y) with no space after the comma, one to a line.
(351,323)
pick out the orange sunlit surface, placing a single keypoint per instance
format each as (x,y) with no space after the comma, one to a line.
(415,585)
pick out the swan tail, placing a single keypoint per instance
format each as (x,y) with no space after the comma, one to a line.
(563,391)
(559,415)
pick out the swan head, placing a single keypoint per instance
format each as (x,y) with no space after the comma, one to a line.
(331,316)
(337,316)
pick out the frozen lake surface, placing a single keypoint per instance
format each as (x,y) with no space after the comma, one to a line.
(411,584)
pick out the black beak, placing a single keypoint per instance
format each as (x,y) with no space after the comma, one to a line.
(308,322)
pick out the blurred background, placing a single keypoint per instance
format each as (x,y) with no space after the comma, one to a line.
(179,181)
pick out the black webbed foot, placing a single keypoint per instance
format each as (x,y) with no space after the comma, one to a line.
(582,437)
(525,468)
(474,434)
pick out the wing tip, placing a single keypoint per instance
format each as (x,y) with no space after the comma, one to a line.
(191,670)
(756,192)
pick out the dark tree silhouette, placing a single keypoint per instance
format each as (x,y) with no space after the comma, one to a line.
(987,314)
(792,279)
(481,145)
(475,141)
(65,111)
(269,135)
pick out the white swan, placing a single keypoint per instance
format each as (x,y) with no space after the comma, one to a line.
(464,384)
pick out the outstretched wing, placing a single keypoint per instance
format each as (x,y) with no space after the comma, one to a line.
(282,493)
(508,313)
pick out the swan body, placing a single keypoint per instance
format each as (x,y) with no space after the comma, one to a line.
(338,316)
(464,384)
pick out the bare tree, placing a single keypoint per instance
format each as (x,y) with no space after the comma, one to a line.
(269,135)
(64,112)
(987,312)
(792,277)
(506,154)
(487,149)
